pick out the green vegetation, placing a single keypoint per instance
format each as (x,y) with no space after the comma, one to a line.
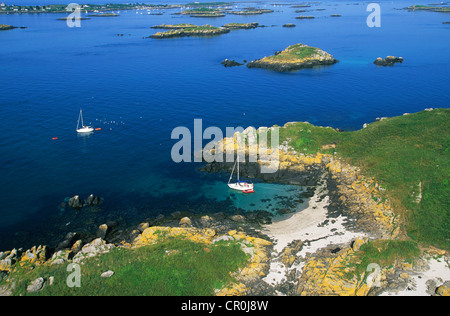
(203,12)
(294,52)
(241,25)
(408,155)
(174,26)
(195,30)
(62,8)
(208,4)
(104,15)
(428,8)
(175,267)
(385,253)
(4,27)
(252,11)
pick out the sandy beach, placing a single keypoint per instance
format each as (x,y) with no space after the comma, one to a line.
(312,226)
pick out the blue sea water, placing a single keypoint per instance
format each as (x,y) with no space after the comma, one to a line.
(139,89)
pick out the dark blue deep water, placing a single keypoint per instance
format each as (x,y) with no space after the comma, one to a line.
(138,90)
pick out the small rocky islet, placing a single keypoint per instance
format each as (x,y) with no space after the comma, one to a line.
(6,27)
(388,61)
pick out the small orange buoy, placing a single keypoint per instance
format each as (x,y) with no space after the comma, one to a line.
(54,138)
(98,129)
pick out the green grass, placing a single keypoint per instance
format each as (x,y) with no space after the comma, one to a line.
(385,253)
(293,52)
(400,153)
(175,267)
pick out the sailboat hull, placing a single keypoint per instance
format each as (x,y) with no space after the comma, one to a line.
(85,129)
(241,186)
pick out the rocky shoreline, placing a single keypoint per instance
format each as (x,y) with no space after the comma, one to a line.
(317,251)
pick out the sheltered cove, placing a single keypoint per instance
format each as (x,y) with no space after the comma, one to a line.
(316,251)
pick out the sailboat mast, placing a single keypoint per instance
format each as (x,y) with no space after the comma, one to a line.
(238,168)
(81,115)
(78,122)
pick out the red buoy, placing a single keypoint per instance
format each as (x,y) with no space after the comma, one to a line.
(54,138)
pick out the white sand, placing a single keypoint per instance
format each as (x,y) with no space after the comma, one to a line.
(437,274)
(306,225)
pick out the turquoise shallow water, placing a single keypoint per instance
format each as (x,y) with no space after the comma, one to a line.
(138,90)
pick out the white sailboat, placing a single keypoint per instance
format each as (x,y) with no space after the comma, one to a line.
(239,185)
(83,129)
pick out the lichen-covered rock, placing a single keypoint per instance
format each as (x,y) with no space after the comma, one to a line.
(444,290)
(96,247)
(327,276)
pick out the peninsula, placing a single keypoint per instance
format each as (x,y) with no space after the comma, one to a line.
(294,57)
(357,215)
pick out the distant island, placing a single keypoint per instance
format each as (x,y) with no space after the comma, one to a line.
(252,11)
(428,8)
(191,30)
(294,57)
(62,8)
(5,27)
(236,26)
(203,12)
(103,15)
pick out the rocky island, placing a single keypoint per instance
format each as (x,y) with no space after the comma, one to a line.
(203,13)
(237,26)
(388,61)
(443,9)
(195,30)
(104,15)
(5,27)
(294,57)
(251,11)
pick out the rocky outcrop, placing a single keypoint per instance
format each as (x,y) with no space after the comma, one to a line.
(388,61)
(289,25)
(5,27)
(294,57)
(230,63)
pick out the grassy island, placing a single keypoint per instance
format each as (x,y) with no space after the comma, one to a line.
(294,57)
(252,11)
(203,13)
(428,8)
(104,15)
(195,30)
(236,26)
